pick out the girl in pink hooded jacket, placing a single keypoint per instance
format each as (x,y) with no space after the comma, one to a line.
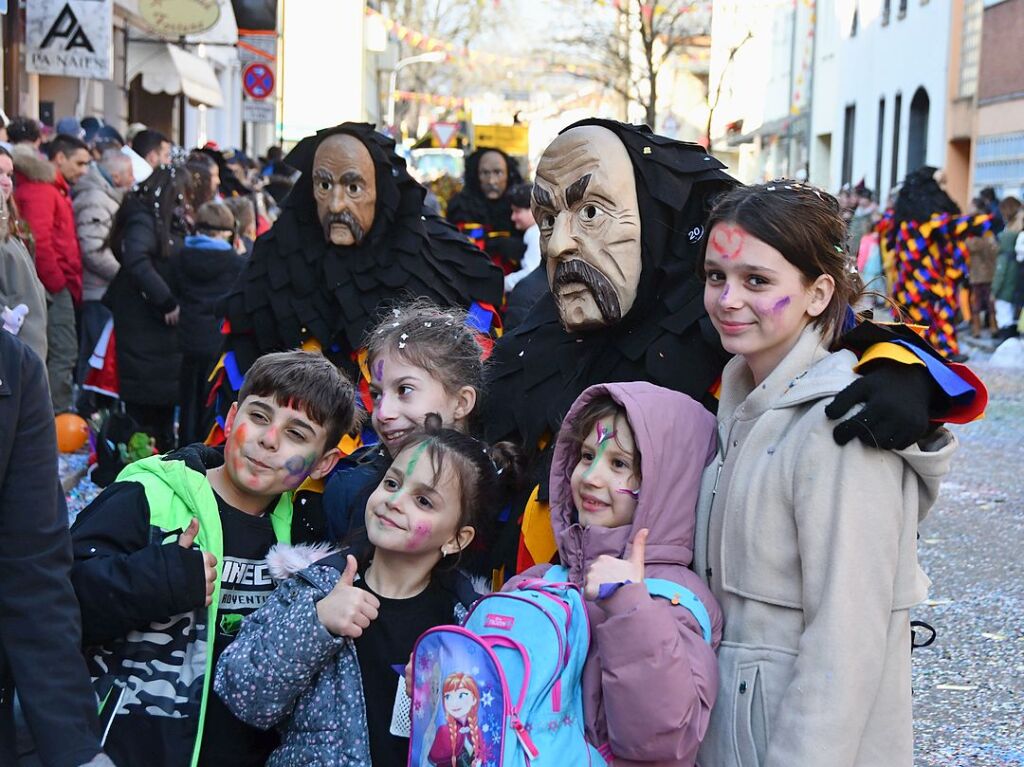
(625,478)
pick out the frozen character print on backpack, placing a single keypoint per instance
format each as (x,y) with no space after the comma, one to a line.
(461,739)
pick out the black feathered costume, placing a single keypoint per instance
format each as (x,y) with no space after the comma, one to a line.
(470,209)
(299,287)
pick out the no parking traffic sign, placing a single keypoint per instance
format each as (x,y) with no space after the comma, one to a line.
(258,80)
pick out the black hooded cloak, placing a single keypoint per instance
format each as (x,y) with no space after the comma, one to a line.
(470,205)
(299,286)
(666,338)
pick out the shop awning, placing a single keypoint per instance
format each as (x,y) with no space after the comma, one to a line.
(166,68)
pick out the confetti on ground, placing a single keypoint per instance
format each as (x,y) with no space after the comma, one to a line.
(977,577)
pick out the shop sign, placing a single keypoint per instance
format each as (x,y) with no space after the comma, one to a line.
(70,38)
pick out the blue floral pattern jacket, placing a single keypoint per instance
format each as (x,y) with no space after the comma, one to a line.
(285,670)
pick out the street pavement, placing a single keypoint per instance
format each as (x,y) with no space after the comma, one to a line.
(969,684)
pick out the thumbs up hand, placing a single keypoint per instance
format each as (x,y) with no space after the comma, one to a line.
(186,540)
(606,569)
(347,610)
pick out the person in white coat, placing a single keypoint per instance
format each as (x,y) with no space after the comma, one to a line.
(810,547)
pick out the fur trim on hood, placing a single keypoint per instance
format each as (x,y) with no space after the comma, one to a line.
(284,560)
(32,165)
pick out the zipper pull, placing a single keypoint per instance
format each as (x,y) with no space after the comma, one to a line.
(524,737)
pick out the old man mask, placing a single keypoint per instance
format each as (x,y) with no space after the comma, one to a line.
(585,203)
(345,189)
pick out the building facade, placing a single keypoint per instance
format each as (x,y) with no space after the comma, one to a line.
(186,85)
(999,142)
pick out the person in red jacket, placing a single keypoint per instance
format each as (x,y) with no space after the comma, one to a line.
(41,189)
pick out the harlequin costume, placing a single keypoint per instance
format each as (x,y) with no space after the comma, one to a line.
(926,239)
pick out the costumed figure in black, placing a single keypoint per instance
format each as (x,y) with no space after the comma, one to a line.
(353,234)
(621,213)
(483,211)
(925,237)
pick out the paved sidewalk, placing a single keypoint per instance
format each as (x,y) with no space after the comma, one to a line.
(969,685)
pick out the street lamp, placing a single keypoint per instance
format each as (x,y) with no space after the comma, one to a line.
(433,57)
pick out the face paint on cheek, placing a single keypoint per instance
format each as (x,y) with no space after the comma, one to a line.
(420,533)
(634,494)
(233,448)
(773,309)
(604,435)
(378,370)
(727,240)
(725,294)
(298,469)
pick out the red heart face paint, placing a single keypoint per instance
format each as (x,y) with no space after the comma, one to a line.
(727,240)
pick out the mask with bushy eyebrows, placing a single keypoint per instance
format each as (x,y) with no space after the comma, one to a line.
(345,189)
(585,204)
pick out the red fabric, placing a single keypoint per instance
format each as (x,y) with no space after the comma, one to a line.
(47,209)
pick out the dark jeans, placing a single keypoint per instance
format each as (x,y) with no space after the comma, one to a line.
(91,322)
(62,348)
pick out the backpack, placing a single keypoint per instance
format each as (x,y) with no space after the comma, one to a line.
(505,688)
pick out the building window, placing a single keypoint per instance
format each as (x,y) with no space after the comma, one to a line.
(879,139)
(970,47)
(894,170)
(849,123)
(902,9)
(855,23)
(886,11)
(917,135)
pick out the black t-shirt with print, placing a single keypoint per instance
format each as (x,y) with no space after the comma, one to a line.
(245,584)
(388,642)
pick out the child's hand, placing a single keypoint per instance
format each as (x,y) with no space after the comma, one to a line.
(606,569)
(346,611)
(185,540)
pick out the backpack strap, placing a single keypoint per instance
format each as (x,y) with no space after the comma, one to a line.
(557,574)
(682,596)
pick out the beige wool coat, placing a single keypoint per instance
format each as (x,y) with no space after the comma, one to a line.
(811,550)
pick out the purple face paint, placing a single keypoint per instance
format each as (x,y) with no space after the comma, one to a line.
(298,469)
(725,294)
(626,491)
(781,304)
(420,532)
(772,309)
(378,370)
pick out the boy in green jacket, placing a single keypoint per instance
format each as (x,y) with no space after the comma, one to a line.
(171,557)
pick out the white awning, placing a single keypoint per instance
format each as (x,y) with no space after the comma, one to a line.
(166,68)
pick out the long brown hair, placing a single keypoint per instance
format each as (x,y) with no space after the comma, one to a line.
(805,225)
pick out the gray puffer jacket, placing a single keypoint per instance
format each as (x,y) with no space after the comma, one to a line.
(285,670)
(95,201)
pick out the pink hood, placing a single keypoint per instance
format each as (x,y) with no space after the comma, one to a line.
(650,678)
(676,438)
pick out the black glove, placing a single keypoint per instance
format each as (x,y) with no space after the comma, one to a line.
(896,401)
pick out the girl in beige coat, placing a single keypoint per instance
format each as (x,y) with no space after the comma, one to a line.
(809,547)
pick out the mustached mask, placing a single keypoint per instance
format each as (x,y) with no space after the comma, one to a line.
(585,204)
(345,189)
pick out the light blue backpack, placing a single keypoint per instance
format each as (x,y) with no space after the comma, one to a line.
(504,689)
